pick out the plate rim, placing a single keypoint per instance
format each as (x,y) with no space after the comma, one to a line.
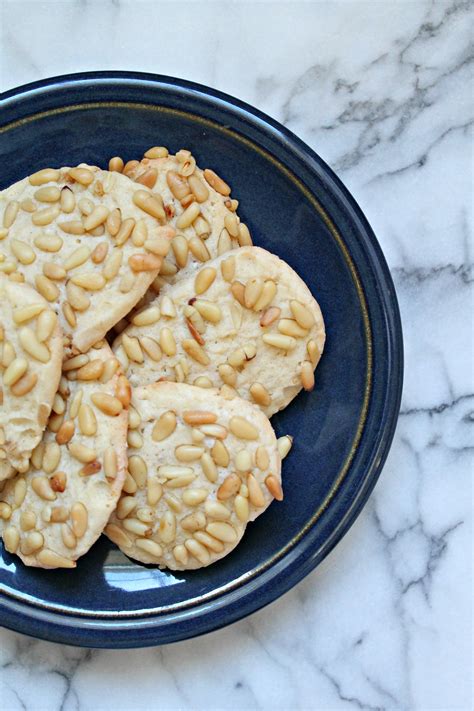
(54,626)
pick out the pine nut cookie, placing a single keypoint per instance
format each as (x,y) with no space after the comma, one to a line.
(200,468)
(89,240)
(245,323)
(198,205)
(52,514)
(31,350)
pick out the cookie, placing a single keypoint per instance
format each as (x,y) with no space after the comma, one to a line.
(90,241)
(200,468)
(31,350)
(198,205)
(245,323)
(52,514)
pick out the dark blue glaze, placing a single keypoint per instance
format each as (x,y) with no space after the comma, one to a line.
(109,601)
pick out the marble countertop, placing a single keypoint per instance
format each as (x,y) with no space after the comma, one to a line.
(381,91)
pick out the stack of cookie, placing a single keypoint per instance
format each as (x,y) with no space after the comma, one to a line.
(144,343)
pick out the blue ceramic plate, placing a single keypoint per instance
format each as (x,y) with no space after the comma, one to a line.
(296,207)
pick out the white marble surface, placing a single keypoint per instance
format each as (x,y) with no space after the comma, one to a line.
(382,91)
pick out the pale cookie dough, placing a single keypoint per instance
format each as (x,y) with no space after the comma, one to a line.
(31,351)
(198,205)
(89,240)
(52,515)
(200,467)
(245,323)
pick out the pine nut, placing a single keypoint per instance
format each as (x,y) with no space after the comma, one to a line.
(219,454)
(11,539)
(42,487)
(222,531)
(110,463)
(51,457)
(194,497)
(15,371)
(134,439)
(238,292)
(202,227)
(87,421)
(177,184)
(91,281)
(252,292)
(123,391)
(75,404)
(32,543)
(241,507)
(274,487)
(83,176)
(167,342)
(116,164)
(26,313)
(290,328)
(236,315)
(180,249)
(284,445)
(171,471)
(159,245)
(68,537)
(197,550)
(48,243)
(262,460)
(149,203)
(204,279)
(157,152)
(5,511)
(168,269)
(129,167)
(188,166)
(199,417)
(267,295)
(75,362)
(78,257)
(46,288)
(216,510)
(260,394)
(55,422)
(255,493)
(277,340)
(151,547)
(45,325)
(28,205)
(212,543)
(216,182)
(144,262)
(91,370)
(242,428)
(187,218)
(65,432)
(188,452)
(151,348)
(269,316)
(216,431)
(24,385)
(224,244)
(148,178)
(48,194)
(167,529)
(79,519)
(243,461)
(125,506)
(118,536)
(202,382)
(11,211)
(164,426)
(108,404)
(307,376)
(146,514)
(67,200)
(43,217)
(209,468)
(208,310)
(231,224)
(167,307)
(113,222)
(54,560)
(19,492)
(126,229)
(199,190)
(194,350)
(244,238)
(83,454)
(32,346)
(22,251)
(46,175)
(193,522)
(58,482)
(74,227)
(58,404)
(229,487)
(132,348)
(8,354)
(136,527)
(180,554)
(147,317)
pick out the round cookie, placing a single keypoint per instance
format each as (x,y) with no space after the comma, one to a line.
(245,322)
(198,205)
(52,514)
(200,468)
(90,241)
(31,350)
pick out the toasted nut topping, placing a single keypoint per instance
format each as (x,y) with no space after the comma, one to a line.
(238,292)
(242,428)
(47,175)
(260,394)
(188,452)
(278,340)
(267,295)
(219,454)
(108,404)
(76,258)
(87,420)
(194,350)
(65,432)
(22,251)
(255,493)
(11,539)
(81,175)
(54,560)
(216,182)
(167,342)
(110,463)
(151,348)
(244,239)
(229,487)
(204,279)
(31,345)
(222,531)
(91,371)
(41,486)
(164,426)
(24,385)
(15,371)
(199,417)
(269,316)
(307,375)
(243,461)
(144,262)
(116,164)
(274,487)
(208,466)
(216,510)
(151,204)
(290,328)
(284,445)
(31,543)
(82,453)
(241,506)
(197,550)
